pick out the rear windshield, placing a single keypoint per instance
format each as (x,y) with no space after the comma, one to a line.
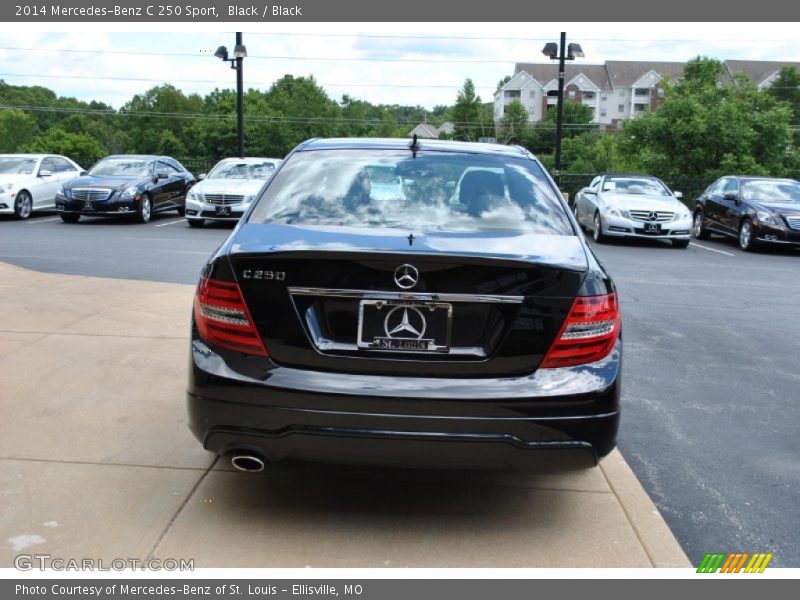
(434,191)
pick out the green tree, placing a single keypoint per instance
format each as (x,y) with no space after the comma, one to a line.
(514,122)
(704,130)
(16,128)
(79,147)
(467,114)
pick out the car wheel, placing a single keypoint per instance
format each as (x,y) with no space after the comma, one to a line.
(23,205)
(70,218)
(700,232)
(597,229)
(145,211)
(747,236)
(680,243)
(181,211)
(195,222)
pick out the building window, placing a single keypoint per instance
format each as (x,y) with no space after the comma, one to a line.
(621,108)
(603,98)
(571,95)
(660,92)
(588,95)
(641,92)
(602,112)
(531,93)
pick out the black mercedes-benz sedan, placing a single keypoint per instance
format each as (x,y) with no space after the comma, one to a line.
(450,315)
(753,210)
(131,185)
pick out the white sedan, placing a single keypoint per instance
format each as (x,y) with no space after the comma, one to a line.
(228,189)
(635,206)
(29,182)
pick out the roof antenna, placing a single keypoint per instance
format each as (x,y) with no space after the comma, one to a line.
(414,146)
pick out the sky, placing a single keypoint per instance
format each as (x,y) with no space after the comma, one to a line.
(395,63)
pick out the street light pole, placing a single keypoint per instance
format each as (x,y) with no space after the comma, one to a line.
(562,47)
(562,52)
(237,63)
(240,96)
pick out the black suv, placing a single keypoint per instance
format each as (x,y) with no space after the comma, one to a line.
(754,210)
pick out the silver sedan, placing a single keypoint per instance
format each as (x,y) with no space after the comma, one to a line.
(635,206)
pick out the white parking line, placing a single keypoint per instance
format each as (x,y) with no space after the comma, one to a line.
(41,221)
(711,249)
(170,223)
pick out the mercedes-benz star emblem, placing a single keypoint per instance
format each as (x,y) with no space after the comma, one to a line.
(406,276)
(405,322)
(653,216)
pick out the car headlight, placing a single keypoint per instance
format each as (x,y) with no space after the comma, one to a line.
(249,199)
(6,187)
(129,192)
(682,215)
(194,196)
(614,211)
(769,217)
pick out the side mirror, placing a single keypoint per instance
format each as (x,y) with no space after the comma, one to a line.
(677,194)
(731,196)
(82,173)
(162,175)
(45,173)
(201,176)
(590,191)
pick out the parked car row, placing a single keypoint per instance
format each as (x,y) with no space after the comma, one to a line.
(753,210)
(133,185)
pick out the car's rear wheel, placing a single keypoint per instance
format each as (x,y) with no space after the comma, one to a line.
(70,218)
(195,222)
(145,210)
(680,243)
(597,229)
(747,236)
(23,205)
(699,231)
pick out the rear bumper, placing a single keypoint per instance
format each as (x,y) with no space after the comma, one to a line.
(563,418)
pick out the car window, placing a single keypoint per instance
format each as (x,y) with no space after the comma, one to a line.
(122,167)
(719,187)
(17,165)
(635,185)
(428,190)
(48,164)
(766,190)
(731,185)
(234,169)
(175,165)
(168,168)
(595,183)
(61,165)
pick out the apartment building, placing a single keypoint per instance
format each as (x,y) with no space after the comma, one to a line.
(615,90)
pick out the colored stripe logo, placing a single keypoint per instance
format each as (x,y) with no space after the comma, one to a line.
(735,562)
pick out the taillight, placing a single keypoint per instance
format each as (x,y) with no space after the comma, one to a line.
(223,319)
(588,334)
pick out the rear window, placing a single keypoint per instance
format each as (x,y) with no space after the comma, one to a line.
(432,191)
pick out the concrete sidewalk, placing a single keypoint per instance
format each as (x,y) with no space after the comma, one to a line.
(96,461)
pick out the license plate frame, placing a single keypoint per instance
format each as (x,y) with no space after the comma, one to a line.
(407,335)
(652,228)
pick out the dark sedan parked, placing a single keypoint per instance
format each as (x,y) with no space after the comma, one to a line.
(346,321)
(126,186)
(754,210)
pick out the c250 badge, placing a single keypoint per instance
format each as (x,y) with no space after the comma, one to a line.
(261,275)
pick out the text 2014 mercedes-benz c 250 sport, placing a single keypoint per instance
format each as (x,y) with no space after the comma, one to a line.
(450,314)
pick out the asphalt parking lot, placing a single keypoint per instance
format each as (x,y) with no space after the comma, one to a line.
(711,380)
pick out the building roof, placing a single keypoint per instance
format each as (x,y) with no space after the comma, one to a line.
(624,73)
(544,73)
(758,70)
(425,130)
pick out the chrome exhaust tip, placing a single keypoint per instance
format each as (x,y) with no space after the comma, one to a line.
(248,462)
